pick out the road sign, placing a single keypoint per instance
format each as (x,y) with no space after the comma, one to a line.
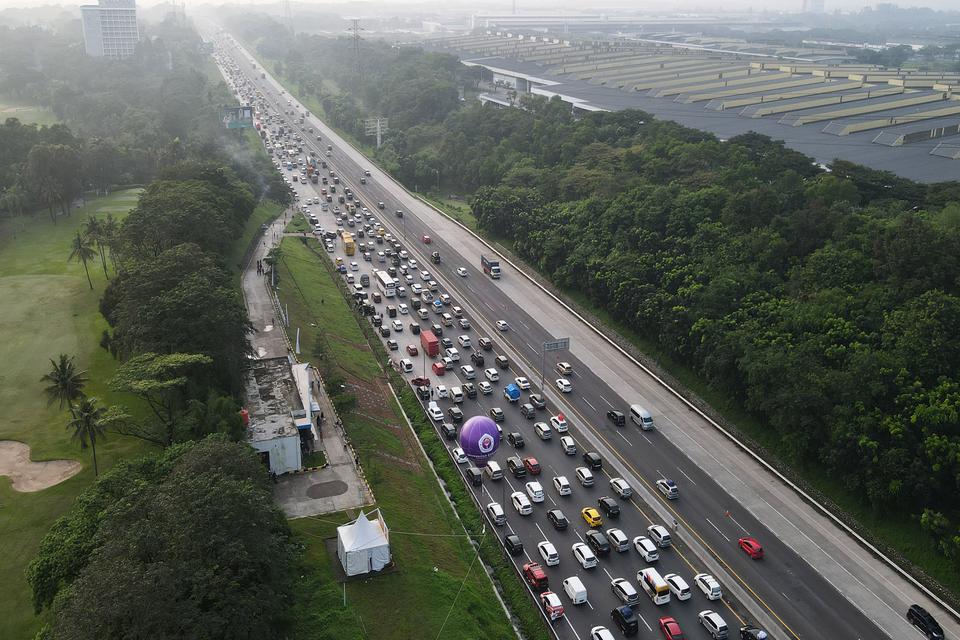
(557,345)
(237,117)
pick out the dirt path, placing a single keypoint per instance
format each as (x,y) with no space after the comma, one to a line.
(28,475)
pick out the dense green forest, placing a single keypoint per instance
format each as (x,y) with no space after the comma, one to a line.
(827,304)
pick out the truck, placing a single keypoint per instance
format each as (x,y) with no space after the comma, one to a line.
(491,266)
(435,256)
(429,342)
(511,392)
(314,177)
(349,246)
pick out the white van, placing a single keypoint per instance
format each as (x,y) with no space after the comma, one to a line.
(575,590)
(493,470)
(456,394)
(641,417)
(423,313)
(544,432)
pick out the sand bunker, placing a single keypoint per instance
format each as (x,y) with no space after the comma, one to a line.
(32,476)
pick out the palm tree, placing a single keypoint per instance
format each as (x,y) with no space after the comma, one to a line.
(94,230)
(65,382)
(88,422)
(110,230)
(81,250)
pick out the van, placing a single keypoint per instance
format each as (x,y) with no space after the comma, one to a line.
(544,432)
(493,470)
(391,311)
(641,417)
(575,590)
(422,313)
(447,320)
(456,394)
(475,476)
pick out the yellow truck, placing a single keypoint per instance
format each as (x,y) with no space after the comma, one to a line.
(349,246)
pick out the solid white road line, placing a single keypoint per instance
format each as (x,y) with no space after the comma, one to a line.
(718,529)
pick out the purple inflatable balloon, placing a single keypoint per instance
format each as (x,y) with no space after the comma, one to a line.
(479,439)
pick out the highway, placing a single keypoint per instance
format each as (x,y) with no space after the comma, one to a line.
(783,592)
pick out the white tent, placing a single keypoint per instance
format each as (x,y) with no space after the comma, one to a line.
(364,545)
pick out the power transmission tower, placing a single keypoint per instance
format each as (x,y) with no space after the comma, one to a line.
(376,126)
(355,28)
(287,14)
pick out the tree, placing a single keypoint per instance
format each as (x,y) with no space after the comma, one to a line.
(88,423)
(65,383)
(94,230)
(81,250)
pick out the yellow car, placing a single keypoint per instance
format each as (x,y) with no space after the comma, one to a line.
(339,261)
(592,517)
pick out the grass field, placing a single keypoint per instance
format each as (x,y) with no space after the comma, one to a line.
(48,309)
(432,554)
(26,113)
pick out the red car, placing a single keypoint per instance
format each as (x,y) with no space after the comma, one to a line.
(412,350)
(420,381)
(532,466)
(552,605)
(427,240)
(670,629)
(438,368)
(752,548)
(535,576)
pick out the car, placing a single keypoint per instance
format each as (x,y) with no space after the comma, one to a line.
(751,547)
(616,417)
(624,591)
(462,272)
(521,504)
(562,485)
(485,343)
(412,350)
(516,440)
(436,414)
(502,325)
(923,621)
(439,368)
(403,309)
(426,239)
(568,445)
(620,487)
(549,553)
(354,266)
(456,415)
(708,585)
(522,382)
(564,385)
(446,343)
(459,455)
(453,354)
(397,326)
(492,374)
(420,381)
(445,299)
(537,401)
(496,514)
(678,586)
(584,476)
(457,311)
(384,332)
(750,632)
(485,387)
(406,365)
(392,345)
(564,369)
(559,423)
(513,544)
(592,459)
(591,516)
(416,289)
(598,542)
(477,358)
(713,623)
(515,466)
(618,540)
(670,629)
(668,488)
(557,519)
(551,602)
(448,430)
(464,342)
(626,620)
(600,633)
(497,414)
(535,491)
(543,430)
(584,555)
(660,535)
(533,467)
(502,362)
(442,392)
(609,507)
(469,373)
(645,547)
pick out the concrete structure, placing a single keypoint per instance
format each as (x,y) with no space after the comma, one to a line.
(110,28)
(363,545)
(279,399)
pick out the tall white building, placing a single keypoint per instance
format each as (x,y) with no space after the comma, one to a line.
(110,28)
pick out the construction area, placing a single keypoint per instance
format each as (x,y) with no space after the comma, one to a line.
(816,100)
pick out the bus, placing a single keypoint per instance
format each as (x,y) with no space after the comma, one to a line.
(655,586)
(386,284)
(349,246)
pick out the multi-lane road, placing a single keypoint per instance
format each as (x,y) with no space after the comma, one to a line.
(794,591)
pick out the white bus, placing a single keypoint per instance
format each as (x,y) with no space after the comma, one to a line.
(655,586)
(386,284)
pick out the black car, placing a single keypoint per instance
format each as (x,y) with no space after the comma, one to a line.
(414,328)
(922,620)
(384,331)
(598,542)
(376,319)
(515,466)
(470,389)
(616,417)
(485,343)
(423,392)
(437,330)
(447,343)
(750,632)
(516,439)
(537,401)
(449,431)
(477,358)
(557,519)
(502,362)
(392,271)
(593,460)
(475,476)
(625,620)
(456,415)
(497,414)
(392,345)
(609,506)
(513,544)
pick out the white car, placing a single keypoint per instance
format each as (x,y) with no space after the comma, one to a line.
(464,324)
(562,485)
(660,535)
(564,385)
(495,511)
(535,491)
(713,623)
(425,276)
(559,423)
(502,325)
(621,488)
(625,591)
(462,272)
(584,555)
(491,374)
(708,585)
(464,341)
(354,266)
(436,414)
(406,365)
(402,308)
(618,540)
(678,586)
(549,553)
(397,326)
(647,550)
(442,391)
(584,476)
(459,456)
(521,504)
(453,354)
(485,387)
(469,373)
(600,633)
(522,382)
(445,299)
(416,289)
